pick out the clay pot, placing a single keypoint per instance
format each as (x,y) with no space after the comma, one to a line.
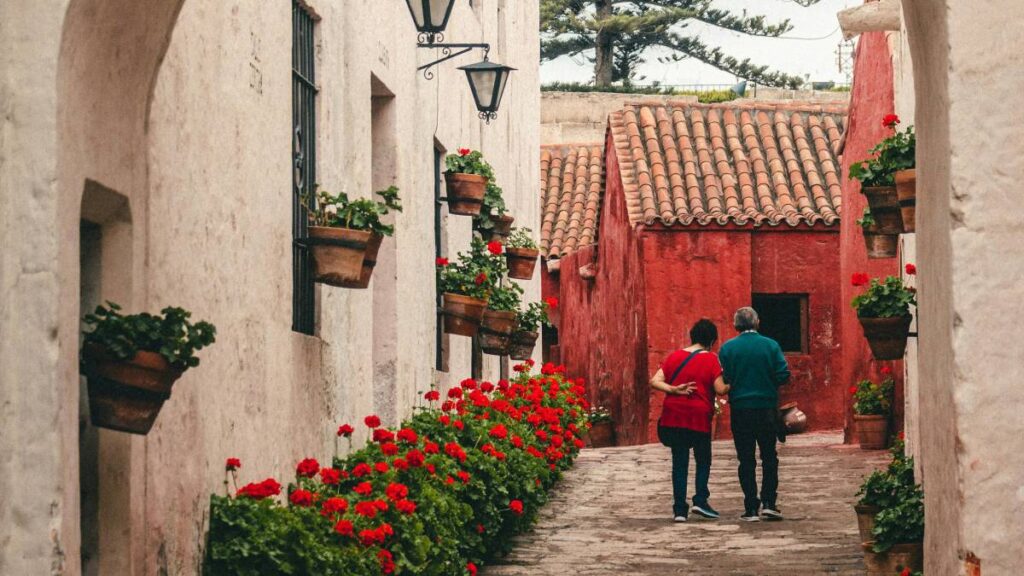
(885,208)
(338,254)
(522,345)
(906,196)
(602,435)
(866,520)
(880,245)
(496,331)
(462,314)
(126,395)
(892,562)
(369,262)
(521,262)
(887,337)
(465,193)
(872,431)
(502,228)
(793,418)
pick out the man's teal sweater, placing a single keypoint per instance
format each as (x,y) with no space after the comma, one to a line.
(754,366)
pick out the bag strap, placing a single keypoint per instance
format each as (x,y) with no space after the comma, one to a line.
(683,365)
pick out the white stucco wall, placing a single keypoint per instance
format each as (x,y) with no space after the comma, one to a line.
(184,110)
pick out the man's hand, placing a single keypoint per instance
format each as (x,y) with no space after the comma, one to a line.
(683,389)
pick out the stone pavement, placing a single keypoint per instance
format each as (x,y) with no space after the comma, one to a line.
(611,515)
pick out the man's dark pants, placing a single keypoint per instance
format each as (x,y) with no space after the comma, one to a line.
(756,427)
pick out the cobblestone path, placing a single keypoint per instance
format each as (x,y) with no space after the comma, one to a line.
(611,515)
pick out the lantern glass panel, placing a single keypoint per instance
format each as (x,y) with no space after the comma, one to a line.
(416,7)
(483,81)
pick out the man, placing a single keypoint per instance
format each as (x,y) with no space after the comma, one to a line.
(754,368)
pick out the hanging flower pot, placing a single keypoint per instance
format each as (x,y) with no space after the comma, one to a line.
(465,193)
(887,337)
(462,314)
(501,228)
(906,193)
(884,314)
(881,241)
(885,208)
(521,254)
(369,262)
(338,254)
(496,331)
(128,382)
(522,345)
(876,174)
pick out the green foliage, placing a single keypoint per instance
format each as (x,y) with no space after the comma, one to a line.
(866,221)
(888,157)
(871,399)
(888,299)
(900,519)
(359,214)
(506,298)
(493,206)
(475,273)
(169,334)
(502,446)
(521,238)
(626,31)
(535,314)
(703,96)
(469,162)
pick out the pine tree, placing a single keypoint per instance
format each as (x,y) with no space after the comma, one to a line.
(620,32)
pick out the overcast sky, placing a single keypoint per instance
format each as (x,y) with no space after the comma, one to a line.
(817,58)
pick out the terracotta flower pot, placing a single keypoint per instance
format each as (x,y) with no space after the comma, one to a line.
(872,431)
(880,245)
(522,345)
(502,228)
(521,262)
(462,314)
(496,331)
(602,435)
(866,520)
(465,193)
(369,262)
(338,254)
(887,337)
(898,557)
(885,208)
(906,195)
(126,395)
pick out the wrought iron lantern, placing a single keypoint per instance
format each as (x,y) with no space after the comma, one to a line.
(430,18)
(487,80)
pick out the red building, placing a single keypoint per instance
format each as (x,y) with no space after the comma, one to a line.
(690,211)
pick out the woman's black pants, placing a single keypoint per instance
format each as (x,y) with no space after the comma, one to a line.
(682,441)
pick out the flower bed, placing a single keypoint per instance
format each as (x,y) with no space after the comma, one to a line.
(441,495)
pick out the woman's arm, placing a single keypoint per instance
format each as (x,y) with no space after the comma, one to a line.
(721,387)
(658,383)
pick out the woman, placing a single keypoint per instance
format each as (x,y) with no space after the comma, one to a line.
(690,378)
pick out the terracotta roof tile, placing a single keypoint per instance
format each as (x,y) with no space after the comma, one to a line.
(572,184)
(742,162)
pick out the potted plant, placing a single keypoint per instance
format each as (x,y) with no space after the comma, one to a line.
(499,320)
(132,361)
(602,427)
(872,403)
(884,314)
(493,223)
(466,286)
(879,244)
(522,254)
(345,236)
(890,516)
(877,174)
(528,323)
(466,177)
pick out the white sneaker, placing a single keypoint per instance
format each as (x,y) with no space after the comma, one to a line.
(771,513)
(679,519)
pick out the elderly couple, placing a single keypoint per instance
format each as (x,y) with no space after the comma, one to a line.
(749,368)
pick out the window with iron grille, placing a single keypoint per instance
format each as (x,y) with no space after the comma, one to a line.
(304,164)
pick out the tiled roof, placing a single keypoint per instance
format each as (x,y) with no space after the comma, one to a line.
(571,183)
(748,163)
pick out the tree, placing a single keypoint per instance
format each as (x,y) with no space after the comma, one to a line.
(619,32)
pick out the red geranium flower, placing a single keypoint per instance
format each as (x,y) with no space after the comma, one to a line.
(471,568)
(260,490)
(405,506)
(494,247)
(860,279)
(345,430)
(415,458)
(361,469)
(499,431)
(363,488)
(330,476)
(396,491)
(442,262)
(344,527)
(911,270)
(383,435)
(890,120)
(334,506)
(381,467)
(366,509)
(464,151)
(233,464)
(464,476)
(480,278)
(372,421)
(400,464)
(432,395)
(431,448)
(886,370)
(307,468)
(853,390)
(301,498)
(389,448)
(552,302)
(407,435)
(516,506)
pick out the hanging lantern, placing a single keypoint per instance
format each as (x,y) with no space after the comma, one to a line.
(487,80)
(430,17)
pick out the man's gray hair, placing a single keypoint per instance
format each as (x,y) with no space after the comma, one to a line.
(746,319)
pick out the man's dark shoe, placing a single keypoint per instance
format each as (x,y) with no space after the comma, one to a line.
(705,510)
(771,512)
(750,516)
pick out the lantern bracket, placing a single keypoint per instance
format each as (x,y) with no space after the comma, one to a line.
(449,51)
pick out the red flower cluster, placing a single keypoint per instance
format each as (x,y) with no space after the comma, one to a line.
(334,506)
(464,151)
(233,464)
(480,278)
(494,247)
(330,476)
(301,498)
(407,435)
(886,370)
(372,421)
(860,279)
(471,568)
(552,302)
(307,468)
(499,431)
(441,262)
(911,270)
(260,490)
(890,121)
(516,506)
(345,430)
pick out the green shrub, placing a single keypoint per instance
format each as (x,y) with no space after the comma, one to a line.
(889,298)
(871,399)
(703,96)
(169,334)
(359,214)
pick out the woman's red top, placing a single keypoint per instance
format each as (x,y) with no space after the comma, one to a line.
(692,412)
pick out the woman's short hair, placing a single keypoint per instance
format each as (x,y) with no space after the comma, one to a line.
(704,332)
(746,319)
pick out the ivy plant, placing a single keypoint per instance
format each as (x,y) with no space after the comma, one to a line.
(169,334)
(888,157)
(493,207)
(338,211)
(521,238)
(867,221)
(885,299)
(871,399)
(506,298)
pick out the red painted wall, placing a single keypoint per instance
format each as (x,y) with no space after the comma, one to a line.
(871,99)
